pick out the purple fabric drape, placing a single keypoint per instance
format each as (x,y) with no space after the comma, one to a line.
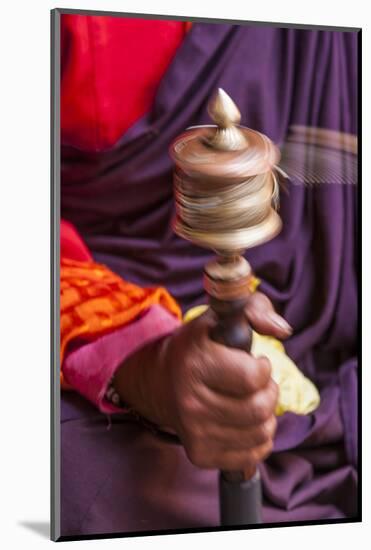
(122,203)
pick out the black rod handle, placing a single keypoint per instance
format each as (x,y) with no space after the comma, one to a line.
(240,494)
(240,503)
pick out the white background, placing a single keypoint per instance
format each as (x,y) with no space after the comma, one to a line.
(25,268)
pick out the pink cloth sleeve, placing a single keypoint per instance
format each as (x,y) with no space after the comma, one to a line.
(90,368)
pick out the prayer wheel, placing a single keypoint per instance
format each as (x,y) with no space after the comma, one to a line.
(226,196)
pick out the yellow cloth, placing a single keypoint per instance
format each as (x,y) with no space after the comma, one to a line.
(297,393)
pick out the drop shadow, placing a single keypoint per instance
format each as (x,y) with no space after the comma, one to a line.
(41,528)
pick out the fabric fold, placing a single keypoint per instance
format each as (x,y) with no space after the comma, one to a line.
(90,368)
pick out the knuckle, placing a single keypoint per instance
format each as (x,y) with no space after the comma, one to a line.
(190,405)
(261,410)
(230,462)
(244,460)
(236,464)
(259,303)
(268,448)
(251,376)
(275,389)
(258,454)
(266,365)
(267,430)
(251,458)
(247,382)
(258,374)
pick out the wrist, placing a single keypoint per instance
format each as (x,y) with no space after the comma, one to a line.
(141,382)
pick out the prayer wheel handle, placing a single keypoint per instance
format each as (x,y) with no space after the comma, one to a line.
(232,329)
(240,496)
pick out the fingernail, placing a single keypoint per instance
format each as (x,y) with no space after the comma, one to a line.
(280,322)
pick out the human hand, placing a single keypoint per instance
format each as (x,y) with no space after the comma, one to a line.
(220,401)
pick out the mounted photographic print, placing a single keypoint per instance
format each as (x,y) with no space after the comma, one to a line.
(204,229)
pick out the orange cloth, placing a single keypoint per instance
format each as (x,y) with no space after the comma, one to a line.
(95,301)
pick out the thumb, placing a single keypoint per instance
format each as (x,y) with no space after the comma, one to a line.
(264,318)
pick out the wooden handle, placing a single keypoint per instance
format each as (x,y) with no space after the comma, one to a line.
(232,330)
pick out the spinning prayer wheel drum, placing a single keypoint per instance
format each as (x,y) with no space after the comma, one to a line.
(226,195)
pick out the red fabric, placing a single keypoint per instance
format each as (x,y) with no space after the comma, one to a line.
(72,246)
(111,69)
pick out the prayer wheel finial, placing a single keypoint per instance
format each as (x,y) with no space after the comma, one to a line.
(224,112)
